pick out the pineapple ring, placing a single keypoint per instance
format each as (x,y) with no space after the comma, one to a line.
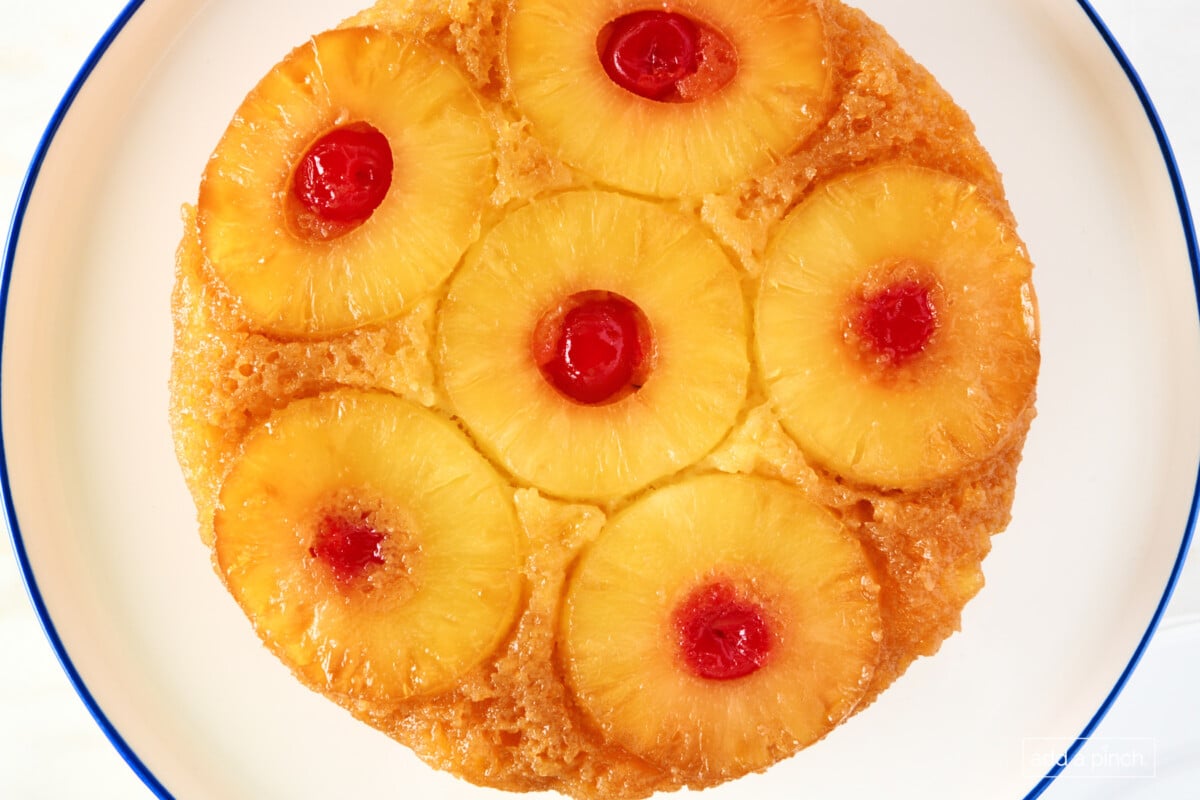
(578,242)
(670,149)
(291,285)
(956,403)
(426,616)
(806,571)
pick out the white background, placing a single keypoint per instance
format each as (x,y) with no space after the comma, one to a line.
(50,747)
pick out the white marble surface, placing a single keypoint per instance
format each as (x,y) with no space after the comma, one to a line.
(49,745)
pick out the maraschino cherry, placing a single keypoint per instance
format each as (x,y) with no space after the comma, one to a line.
(348,546)
(897,323)
(722,636)
(595,348)
(650,52)
(344,175)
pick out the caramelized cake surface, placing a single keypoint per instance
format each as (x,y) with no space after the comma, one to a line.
(599,398)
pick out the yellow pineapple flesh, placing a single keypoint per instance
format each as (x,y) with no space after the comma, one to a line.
(658,148)
(572,245)
(372,548)
(292,281)
(721,624)
(919,255)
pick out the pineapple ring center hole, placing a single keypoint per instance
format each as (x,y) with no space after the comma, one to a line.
(893,318)
(364,547)
(722,635)
(665,56)
(594,348)
(341,179)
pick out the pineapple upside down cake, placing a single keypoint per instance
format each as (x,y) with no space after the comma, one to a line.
(602,396)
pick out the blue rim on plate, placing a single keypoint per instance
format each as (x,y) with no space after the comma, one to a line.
(1189,232)
(60,650)
(10,512)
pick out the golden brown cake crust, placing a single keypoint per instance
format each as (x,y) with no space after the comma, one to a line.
(512,723)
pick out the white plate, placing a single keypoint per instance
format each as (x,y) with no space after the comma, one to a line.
(104,527)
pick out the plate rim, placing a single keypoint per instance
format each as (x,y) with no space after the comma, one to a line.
(1189,232)
(26,569)
(10,514)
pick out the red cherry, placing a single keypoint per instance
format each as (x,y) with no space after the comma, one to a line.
(345,175)
(721,636)
(898,322)
(347,546)
(649,52)
(596,349)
